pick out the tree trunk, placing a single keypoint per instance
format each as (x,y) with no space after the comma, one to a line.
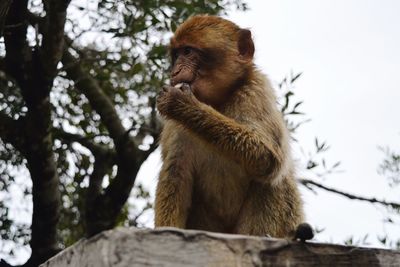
(34,70)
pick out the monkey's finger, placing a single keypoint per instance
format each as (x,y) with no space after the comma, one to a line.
(165,88)
(164,91)
(186,88)
(178,85)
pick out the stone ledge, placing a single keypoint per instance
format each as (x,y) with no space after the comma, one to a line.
(174,247)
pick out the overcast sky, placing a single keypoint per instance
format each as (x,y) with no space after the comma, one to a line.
(349,53)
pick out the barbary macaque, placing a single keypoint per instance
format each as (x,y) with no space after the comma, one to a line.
(227,165)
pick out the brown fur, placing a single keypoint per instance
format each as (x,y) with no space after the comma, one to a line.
(225,148)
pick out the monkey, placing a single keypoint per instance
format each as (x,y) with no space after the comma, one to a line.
(227,165)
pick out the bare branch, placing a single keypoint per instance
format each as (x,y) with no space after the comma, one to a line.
(307,183)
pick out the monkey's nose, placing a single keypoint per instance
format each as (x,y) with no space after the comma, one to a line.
(175,79)
(175,72)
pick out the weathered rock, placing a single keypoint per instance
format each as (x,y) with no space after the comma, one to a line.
(174,247)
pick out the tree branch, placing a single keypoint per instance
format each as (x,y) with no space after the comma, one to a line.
(35,19)
(96,149)
(153,128)
(53,36)
(45,185)
(18,52)
(3,263)
(94,197)
(104,159)
(2,64)
(307,182)
(99,101)
(4,6)
(111,202)
(10,131)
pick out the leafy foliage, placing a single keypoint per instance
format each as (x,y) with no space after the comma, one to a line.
(312,161)
(316,167)
(390,166)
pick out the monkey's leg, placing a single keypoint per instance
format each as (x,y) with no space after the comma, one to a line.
(173,195)
(270,210)
(254,217)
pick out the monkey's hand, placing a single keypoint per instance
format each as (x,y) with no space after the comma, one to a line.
(171,101)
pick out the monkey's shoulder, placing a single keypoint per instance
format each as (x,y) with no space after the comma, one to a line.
(253,102)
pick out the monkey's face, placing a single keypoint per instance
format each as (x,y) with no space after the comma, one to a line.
(211,55)
(196,67)
(185,65)
(210,72)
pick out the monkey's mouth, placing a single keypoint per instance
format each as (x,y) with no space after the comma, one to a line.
(179,83)
(185,76)
(184,86)
(183,83)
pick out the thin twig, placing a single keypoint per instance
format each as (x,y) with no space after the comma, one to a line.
(307,182)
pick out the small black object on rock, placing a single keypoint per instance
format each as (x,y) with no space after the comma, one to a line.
(304,232)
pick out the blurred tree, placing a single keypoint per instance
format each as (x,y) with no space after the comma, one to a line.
(77,87)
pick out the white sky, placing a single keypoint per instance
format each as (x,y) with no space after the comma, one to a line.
(349,53)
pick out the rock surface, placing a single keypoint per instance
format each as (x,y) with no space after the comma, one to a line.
(173,247)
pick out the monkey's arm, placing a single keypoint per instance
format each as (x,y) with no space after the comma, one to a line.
(173,198)
(174,188)
(261,154)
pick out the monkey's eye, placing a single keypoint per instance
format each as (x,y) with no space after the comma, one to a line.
(187,50)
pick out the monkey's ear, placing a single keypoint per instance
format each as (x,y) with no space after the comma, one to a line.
(245,44)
